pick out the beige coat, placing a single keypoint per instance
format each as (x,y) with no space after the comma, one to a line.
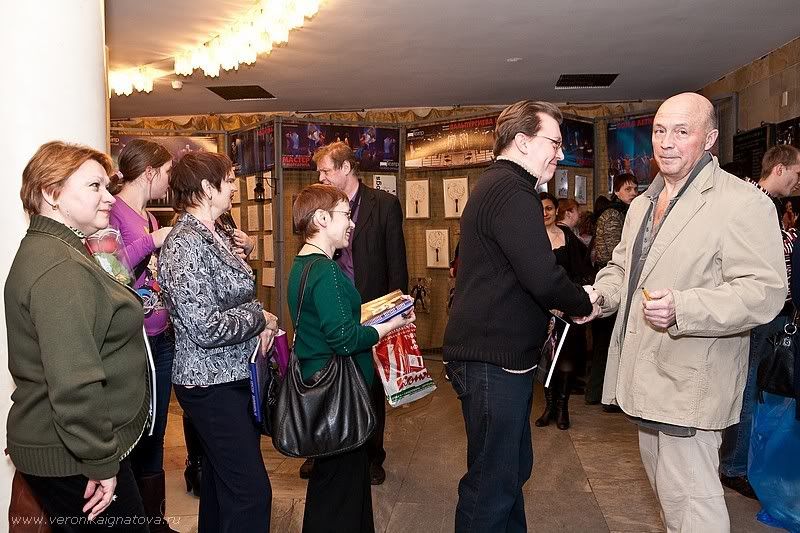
(719,252)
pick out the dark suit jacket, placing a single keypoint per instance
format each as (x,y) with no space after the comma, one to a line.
(379,248)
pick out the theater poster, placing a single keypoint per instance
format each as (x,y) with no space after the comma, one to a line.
(178,145)
(375,148)
(578,143)
(252,150)
(630,149)
(788,132)
(461,143)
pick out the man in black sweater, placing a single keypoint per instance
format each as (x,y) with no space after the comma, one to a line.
(508,280)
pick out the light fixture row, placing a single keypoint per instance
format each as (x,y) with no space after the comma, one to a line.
(266,25)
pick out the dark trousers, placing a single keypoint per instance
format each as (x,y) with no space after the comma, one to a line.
(235,494)
(339,496)
(375,450)
(148,456)
(496,405)
(62,499)
(602,329)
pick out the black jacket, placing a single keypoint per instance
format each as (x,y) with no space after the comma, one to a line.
(379,249)
(508,278)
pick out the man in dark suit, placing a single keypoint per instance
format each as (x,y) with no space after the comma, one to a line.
(375,260)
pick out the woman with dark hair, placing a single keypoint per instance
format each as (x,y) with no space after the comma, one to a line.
(573,256)
(76,350)
(210,293)
(338,497)
(144,169)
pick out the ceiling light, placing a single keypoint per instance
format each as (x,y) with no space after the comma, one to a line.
(513,59)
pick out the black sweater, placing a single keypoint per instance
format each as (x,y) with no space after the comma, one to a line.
(508,278)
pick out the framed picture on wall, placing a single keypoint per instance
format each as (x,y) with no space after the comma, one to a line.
(456,193)
(417,199)
(580,189)
(438,248)
(542,187)
(562,183)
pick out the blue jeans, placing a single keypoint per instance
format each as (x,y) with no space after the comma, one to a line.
(736,439)
(148,456)
(497,406)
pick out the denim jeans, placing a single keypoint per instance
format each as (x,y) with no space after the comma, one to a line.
(148,456)
(736,439)
(496,405)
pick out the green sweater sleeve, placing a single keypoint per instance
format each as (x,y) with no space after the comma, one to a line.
(343,333)
(64,316)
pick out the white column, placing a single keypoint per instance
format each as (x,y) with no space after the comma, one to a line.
(54,87)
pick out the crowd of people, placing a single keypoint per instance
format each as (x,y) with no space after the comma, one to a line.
(681,287)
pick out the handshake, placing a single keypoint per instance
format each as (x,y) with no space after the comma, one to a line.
(596,301)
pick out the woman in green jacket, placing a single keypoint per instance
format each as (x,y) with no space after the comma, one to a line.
(76,350)
(338,497)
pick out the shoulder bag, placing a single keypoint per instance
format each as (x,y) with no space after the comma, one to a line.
(331,415)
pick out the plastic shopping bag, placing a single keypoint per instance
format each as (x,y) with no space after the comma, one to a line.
(774,463)
(401,368)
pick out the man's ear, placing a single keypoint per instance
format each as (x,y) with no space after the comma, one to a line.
(711,138)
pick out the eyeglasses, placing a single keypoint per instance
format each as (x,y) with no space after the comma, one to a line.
(556,144)
(345,213)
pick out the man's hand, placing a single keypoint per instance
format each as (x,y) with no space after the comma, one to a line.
(593,294)
(100,494)
(660,309)
(596,312)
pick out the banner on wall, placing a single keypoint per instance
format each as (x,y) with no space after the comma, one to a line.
(630,149)
(461,143)
(375,148)
(252,150)
(749,148)
(178,145)
(578,143)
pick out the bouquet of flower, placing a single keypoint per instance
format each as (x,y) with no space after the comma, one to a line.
(109,252)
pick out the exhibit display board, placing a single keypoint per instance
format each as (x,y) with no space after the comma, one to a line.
(630,148)
(577,142)
(460,143)
(375,148)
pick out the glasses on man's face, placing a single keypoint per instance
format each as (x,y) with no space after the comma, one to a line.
(345,213)
(557,144)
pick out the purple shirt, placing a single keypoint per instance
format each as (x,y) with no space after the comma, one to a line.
(345,260)
(138,245)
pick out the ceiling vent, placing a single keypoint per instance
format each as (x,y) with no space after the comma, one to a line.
(237,93)
(585,81)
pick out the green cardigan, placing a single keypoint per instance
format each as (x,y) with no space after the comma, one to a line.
(77,355)
(330,319)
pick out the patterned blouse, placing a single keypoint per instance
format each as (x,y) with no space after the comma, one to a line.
(211,297)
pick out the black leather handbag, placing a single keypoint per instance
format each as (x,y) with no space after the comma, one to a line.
(331,415)
(779,371)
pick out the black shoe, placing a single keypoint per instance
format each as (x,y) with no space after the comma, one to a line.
(740,484)
(608,408)
(306,468)
(377,475)
(549,409)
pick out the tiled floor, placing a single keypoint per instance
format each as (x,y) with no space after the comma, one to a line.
(586,479)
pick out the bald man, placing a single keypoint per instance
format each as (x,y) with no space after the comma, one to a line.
(698,266)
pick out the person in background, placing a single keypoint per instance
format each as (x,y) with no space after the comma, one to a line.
(210,294)
(608,232)
(585,229)
(568,214)
(338,497)
(374,261)
(508,280)
(144,168)
(76,350)
(572,256)
(780,173)
(698,266)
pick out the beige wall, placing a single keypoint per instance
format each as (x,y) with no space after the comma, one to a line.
(760,85)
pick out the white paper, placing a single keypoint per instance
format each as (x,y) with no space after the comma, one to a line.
(251,187)
(268,216)
(268,277)
(437,248)
(456,193)
(562,183)
(580,189)
(269,250)
(385,182)
(252,218)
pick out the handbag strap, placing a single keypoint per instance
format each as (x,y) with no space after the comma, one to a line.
(301,290)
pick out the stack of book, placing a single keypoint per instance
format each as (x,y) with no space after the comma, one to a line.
(384,308)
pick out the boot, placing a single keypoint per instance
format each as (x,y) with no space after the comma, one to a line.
(549,409)
(194,458)
(151,487)
(562,402)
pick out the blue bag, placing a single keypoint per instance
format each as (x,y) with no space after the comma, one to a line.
(774,462)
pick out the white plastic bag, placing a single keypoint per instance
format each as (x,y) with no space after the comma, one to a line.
(401,368)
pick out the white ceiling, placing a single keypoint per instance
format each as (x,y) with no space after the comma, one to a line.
(357,54)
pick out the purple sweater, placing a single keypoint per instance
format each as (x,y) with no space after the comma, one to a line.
(138,245)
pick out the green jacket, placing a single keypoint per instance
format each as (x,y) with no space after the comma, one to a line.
(330,320)
(77,355)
